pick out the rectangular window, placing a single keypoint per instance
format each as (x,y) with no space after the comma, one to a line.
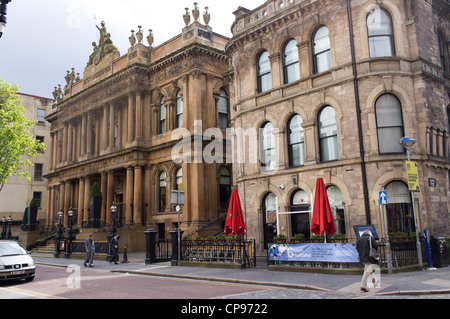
(40,116)
(41,140)
(38,169)
(37,196)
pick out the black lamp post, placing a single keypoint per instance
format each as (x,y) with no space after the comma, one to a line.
(3,236)
(9,235)
(3,4)
(59,236)
(69,237)
(113,230)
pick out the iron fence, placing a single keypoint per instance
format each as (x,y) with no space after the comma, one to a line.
(227,251)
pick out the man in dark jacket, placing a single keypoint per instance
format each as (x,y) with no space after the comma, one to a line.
(363,248)
(115,249)
(90,251)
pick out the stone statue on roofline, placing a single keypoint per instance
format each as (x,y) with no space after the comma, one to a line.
(104,47)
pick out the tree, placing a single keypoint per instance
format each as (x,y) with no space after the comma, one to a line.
(17,144)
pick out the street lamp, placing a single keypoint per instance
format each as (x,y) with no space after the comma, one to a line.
(3,4)
(69,235)
(59,236)
(408,143)
(113,229)
(9,235)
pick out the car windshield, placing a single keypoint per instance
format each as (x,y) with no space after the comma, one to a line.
(11,249)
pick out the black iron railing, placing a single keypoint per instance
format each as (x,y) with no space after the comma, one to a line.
(239,252)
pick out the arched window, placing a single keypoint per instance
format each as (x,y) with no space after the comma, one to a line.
(179,179)
(300,222)
(224,187)
(321,50)
(380,33)
(267,148)
(290,62)
(337,207)
(263,72)
(162,117)
(399,209)
(269,211)
(179,115)
(296,141)
(162,191)
(388,112)
(328,135)
(223,109)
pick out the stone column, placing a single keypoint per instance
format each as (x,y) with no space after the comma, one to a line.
(61,196)
(67,192)
(104,131)
(131,102)
(89,134)
(304,59)
(137,200)
(87,194)
(103,187)
(275,70)
(83,134)
(147,194)
(129,197)
(64,143)
(52,150)
(111,125)
(80,200)
(69,142)
(139,109)
(310,146)
(109,196)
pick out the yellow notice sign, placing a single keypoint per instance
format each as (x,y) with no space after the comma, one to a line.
(413,176)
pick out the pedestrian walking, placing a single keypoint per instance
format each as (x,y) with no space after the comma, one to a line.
(363,245)
(90,251)
(114,245)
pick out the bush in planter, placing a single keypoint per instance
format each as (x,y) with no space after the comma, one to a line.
(339,238)
(280,238)
(317,238)
(298,238)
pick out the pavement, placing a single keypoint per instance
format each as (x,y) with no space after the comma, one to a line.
(426,282)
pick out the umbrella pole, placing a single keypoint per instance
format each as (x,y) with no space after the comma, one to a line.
(325,236)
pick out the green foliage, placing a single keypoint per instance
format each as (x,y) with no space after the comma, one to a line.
(339,236)
(298,236)
(17,143)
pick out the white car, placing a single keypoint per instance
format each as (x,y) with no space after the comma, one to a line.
(15,261)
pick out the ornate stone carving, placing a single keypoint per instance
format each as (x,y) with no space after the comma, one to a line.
(150,38)
(105,46)
(195,12)
(206,16)
(187,17)
(132,38)
(139,34)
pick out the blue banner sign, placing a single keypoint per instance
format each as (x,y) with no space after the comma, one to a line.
(320,252)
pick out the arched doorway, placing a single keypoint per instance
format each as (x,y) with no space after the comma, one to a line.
(269,212)
(300,222)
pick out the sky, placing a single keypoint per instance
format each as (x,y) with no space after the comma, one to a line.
(45,38)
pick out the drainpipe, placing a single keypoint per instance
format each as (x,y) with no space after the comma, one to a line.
(358,116)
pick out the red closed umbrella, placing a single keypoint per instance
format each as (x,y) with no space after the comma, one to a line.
(322,220)
(235,224)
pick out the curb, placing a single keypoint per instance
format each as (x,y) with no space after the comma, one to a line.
(217,279)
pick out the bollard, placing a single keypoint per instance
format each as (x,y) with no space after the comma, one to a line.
(174,240)
(150,251)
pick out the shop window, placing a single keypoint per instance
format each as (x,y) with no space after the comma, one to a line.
(224,187)
(162,191)
(337,207)
(269,211)
(399,209)
(300,222)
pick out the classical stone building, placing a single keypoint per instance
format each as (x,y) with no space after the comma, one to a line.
(330,87)
(116,127)
(36,108)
